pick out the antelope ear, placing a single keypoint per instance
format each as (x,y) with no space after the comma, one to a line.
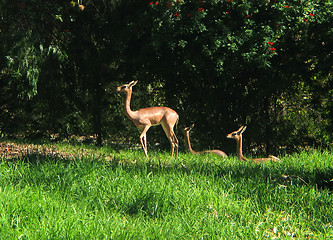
(244,128)
(187,129)
(239,129)
(131,84)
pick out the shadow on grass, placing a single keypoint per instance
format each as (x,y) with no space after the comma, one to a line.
(64,176)
(279,173)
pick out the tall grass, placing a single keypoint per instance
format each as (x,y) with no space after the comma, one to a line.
(192,197)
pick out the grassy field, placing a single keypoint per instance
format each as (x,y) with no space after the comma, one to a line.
(107,194)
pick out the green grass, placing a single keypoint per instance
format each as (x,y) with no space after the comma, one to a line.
(192,197)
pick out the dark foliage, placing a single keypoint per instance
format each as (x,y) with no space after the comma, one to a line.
(219,64)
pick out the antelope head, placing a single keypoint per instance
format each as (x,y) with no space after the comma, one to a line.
(237,134)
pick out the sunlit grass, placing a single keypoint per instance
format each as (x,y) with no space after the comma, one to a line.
(127,196)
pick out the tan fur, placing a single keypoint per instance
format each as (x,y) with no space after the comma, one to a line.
(146,117)
(186,131)
(237,135)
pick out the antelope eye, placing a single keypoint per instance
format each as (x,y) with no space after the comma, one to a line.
(234,134)
(123,87)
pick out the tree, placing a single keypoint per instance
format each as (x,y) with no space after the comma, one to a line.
(219,63)
(235,60)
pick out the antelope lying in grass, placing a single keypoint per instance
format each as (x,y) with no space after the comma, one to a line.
(237,135)
(188,144)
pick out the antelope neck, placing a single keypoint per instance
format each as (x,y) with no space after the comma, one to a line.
(128,110)
(239,148)
(188,143)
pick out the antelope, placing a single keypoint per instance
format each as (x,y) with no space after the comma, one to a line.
(188,144)
(237,135)
(144,118)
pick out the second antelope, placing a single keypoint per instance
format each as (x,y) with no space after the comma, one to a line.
(188,144)
(146,117)
(237,135)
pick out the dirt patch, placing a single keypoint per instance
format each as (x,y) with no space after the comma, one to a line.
(13,151)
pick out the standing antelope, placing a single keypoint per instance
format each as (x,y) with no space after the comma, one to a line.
(146,117)
(188,144)
(237,135)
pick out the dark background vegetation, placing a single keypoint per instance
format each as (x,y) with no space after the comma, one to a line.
(220,64)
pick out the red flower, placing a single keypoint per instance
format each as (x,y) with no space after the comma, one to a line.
(270,43)
(200,9)
(287,7)
(227,13)
(273,49)
(177,15)
(151,3)
(157,3)
(229,1)
(169,4)
(311,14)
(248,16)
